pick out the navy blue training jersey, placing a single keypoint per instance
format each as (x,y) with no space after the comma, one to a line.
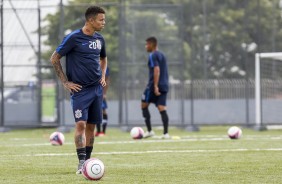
(157,58)
(83,54)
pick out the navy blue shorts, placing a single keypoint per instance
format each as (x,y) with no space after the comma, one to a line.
(87,103)
(150,97)
(104,104)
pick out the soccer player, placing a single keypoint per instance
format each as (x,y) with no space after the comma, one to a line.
(86,64)
(157,87)
(104,108)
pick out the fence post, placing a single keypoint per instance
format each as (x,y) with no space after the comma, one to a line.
(2,119)
(191,127)
(39,76)
(61,117)
(122,69)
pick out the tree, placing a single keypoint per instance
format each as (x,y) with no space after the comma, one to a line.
(223,35)
(220,37)
(231,27)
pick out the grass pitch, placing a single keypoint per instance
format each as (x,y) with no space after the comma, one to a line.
(207,156)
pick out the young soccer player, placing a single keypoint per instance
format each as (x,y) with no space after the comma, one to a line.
(100,133)
(157,88)
(86,64)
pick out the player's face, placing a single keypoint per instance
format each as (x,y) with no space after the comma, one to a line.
(98,23)
(149,46)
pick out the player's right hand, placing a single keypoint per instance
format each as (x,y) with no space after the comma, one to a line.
(103,82)
(156,91)
(72,87)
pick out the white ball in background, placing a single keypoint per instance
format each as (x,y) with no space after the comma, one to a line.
(234,132)
(57,139)
(137,133)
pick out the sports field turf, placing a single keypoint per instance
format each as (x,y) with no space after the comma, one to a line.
(207,156)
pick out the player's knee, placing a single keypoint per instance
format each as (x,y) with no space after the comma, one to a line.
(146,113)
(80,126)
(90,127)
(164,115)
(161,108)
(144,105)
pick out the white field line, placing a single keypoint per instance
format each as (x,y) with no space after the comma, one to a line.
(183,139)
(133,141)
(225,135)
(148,152)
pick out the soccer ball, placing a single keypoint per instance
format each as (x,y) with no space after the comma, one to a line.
(57,139)
(93,169)
(234,132)
(137,133)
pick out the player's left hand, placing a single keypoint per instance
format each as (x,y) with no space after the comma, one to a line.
(156,91)
(103,82)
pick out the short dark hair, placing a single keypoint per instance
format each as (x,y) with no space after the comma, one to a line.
(152,40)
(93,11)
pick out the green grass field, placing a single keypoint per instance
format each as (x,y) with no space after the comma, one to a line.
(207,156)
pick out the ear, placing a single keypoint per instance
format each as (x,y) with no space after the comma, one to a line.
(91,19)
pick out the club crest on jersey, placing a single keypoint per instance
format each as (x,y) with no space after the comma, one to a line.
(78,113)
(95,44)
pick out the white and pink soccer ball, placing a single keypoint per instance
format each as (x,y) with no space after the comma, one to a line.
(93,169)
(137,133)
(57,139)
(234,132)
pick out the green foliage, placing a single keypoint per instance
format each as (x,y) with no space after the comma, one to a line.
(229,25)
(227,30)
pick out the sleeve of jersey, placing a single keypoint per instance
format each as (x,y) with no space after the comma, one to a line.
(153,60)
(103,53)
(67,44)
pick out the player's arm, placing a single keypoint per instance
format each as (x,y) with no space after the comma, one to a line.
(55,60)
(103,64)
(106,87)
(156,80)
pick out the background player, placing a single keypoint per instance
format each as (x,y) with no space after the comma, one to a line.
(157,88)
(104,108)
(86,64)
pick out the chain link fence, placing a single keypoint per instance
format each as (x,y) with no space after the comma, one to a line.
(209,46)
